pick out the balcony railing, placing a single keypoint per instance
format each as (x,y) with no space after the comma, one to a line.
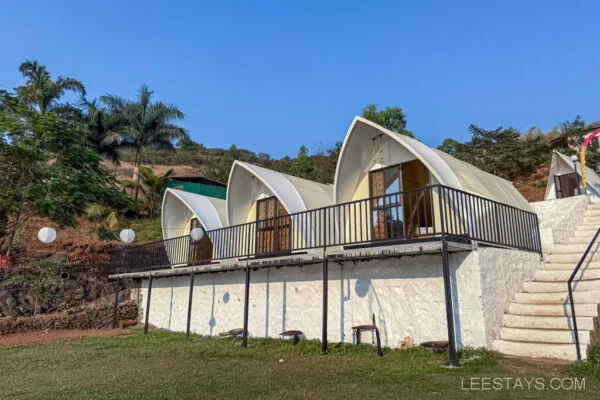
(424,214)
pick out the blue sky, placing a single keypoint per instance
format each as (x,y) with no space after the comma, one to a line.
(272,76)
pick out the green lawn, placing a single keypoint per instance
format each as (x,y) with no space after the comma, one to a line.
(162,365)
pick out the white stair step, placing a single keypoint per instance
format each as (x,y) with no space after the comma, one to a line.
(584,274)
(570,266)
(591,212)
(580,297)
(547,287)
(570,258)
(553,310)
(544,335)
(580,240)
(538,322)
(578,248)
(588,233)
(537,350)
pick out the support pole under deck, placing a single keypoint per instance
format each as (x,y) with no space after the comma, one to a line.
(189,315)
(116,305)
(324,329)
(148,304)
(246,306)
(449,303)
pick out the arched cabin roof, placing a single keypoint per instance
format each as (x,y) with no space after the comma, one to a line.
(295,194)
(179,207)
(446,170)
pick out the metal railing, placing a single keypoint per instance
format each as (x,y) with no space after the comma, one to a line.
(416,215)
(570,286)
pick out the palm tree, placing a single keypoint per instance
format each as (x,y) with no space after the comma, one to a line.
(144,125)
(102,137)
(41,92)
(151,186)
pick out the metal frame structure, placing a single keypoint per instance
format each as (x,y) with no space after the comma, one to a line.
(454,216)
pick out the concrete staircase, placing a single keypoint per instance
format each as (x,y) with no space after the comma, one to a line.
(538,322)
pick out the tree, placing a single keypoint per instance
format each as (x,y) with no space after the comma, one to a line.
(42,93)
(391,118)
(151,186)
(102,137)
(303,166)
(576,132)
(503,152)
(144,124)
(47,169)
(221,171)
(187,143)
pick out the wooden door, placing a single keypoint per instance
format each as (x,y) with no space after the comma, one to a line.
(273,228)
(201,251)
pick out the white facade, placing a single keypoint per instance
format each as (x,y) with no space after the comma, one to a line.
(406,295)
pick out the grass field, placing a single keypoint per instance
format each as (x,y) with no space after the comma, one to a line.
(163,366)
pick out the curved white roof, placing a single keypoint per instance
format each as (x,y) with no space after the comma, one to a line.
(296,194)
(179,207)
(446,170)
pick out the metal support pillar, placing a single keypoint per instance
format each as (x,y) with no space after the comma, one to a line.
(449,303)
(246,306)
(116,305)
(324,329)
(148,305)
(189,316)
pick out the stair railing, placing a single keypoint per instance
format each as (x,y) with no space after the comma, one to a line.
(569,283)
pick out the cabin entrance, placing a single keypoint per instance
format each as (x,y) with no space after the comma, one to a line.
(399,211)
(273,231)
(201,251)
(565,185)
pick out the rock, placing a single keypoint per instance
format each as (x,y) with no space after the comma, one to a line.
(407,343)
(78,294)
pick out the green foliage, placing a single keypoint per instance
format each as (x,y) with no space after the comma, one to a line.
(392,118)
(42,93)
(147,230)
(186,143)
(502,152)
(576,131)
(47,168)
(101,137)
(143,124)
(303,166)
(153,187)
(106,234)
(221,171)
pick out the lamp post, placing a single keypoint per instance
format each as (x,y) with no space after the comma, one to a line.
(574,159)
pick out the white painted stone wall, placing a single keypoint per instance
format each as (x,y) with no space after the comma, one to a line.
(502,272)
(405,294)
(558,218)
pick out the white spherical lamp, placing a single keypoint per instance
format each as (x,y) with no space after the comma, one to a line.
(197,234)
(127,235)
(47,235)
(574,158)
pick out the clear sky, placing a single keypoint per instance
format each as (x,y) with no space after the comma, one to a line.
(274,75)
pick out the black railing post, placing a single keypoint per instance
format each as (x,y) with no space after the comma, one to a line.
(325,282)
(189,313)
(148,304)
(571,300)
(116,305)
